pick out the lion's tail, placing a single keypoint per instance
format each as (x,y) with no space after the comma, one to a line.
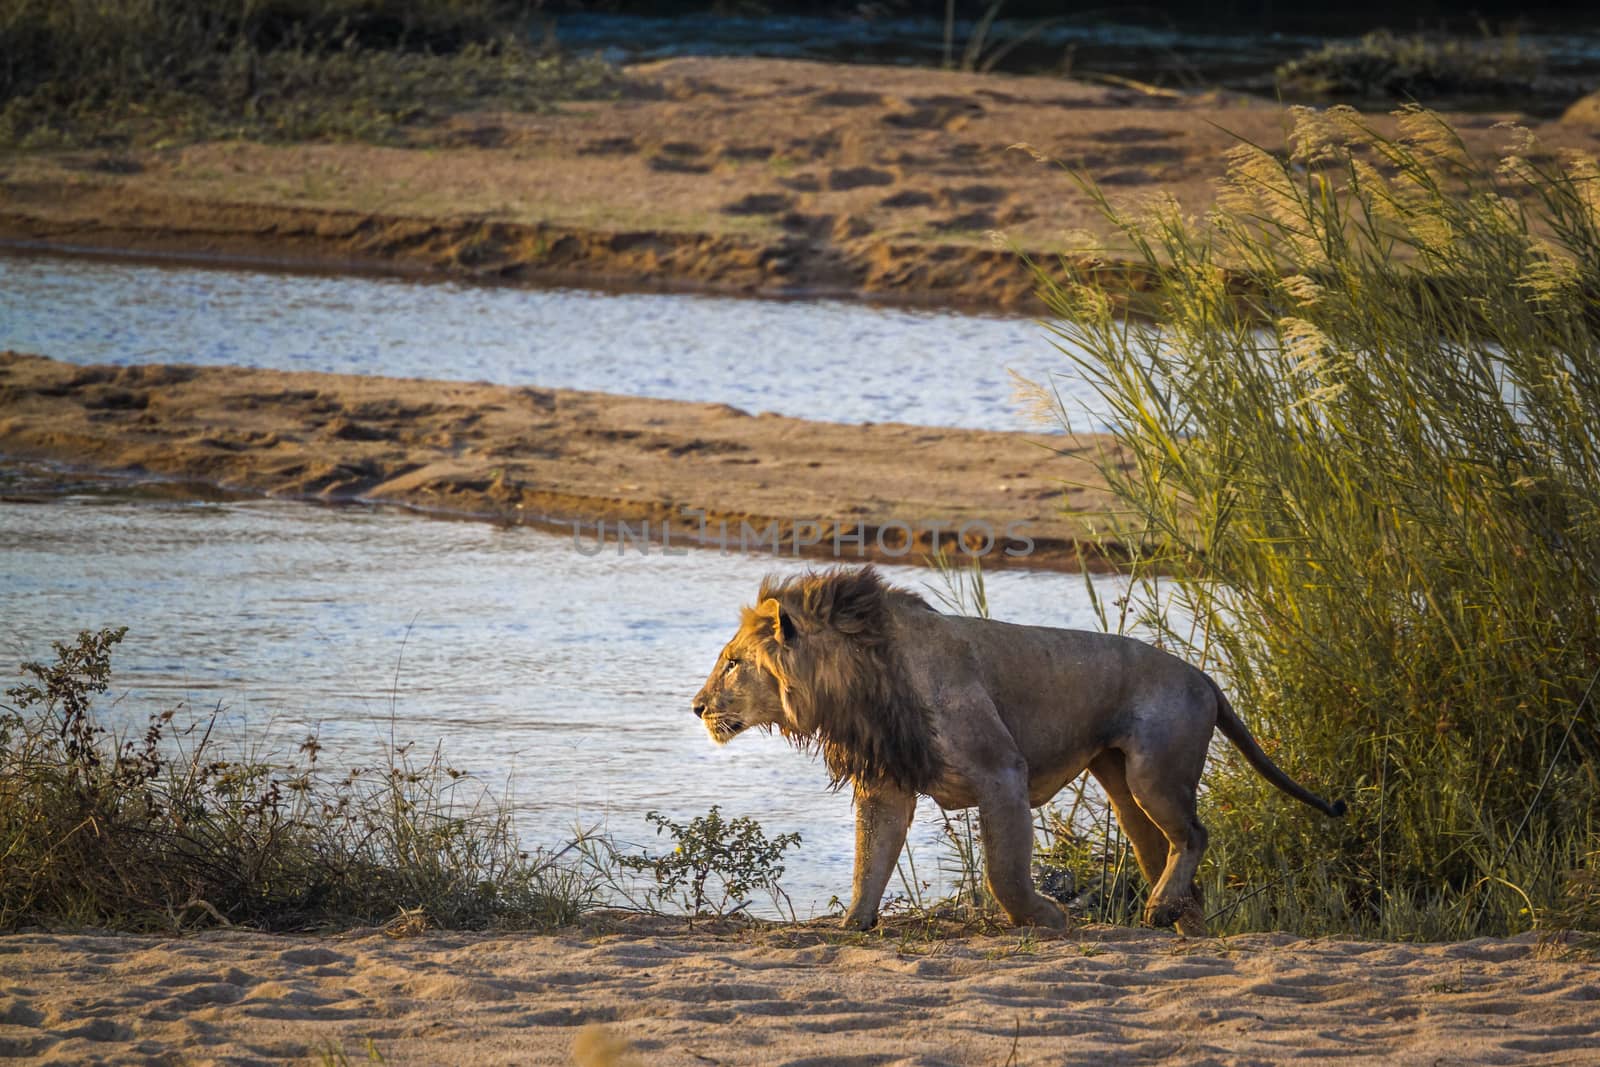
(1234,730)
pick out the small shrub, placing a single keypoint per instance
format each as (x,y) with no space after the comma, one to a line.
(1383,65)
(715,864)
(165,831)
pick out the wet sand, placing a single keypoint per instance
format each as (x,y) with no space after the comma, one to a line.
(645,991)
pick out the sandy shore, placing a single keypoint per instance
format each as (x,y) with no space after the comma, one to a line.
(647,992)
(552,457)
(727,175)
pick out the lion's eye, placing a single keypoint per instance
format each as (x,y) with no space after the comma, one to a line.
(732,663)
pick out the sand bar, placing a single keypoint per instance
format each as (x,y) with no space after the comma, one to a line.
(751,176)
(553,457)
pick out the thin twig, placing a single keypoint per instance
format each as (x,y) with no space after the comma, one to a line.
(1225,909)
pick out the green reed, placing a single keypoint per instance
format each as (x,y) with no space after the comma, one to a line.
(1358,415)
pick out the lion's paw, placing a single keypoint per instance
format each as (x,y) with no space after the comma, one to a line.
(1048,914)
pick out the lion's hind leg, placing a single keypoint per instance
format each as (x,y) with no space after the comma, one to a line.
(1149,843)
(1165,794)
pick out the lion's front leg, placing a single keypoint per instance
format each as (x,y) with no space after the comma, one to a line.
(882,817)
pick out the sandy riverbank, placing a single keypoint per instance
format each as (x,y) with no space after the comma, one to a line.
(795,996)
(727,175)
(550,456)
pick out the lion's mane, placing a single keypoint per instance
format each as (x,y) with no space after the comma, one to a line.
(841,671)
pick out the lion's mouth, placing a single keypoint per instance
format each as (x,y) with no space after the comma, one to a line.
(724,730)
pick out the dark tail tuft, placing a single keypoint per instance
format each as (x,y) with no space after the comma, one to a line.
(1235,731)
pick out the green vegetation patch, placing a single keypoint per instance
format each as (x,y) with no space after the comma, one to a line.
(714,866)
(1385,65)
(1359,410)
(93,72)
(165,830)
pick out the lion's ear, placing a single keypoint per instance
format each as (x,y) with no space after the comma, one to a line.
(783,630)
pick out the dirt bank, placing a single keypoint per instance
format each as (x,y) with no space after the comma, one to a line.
(645,991)
(729,175)
(547,456)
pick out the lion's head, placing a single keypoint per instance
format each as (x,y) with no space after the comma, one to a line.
(743,690)
(816,659)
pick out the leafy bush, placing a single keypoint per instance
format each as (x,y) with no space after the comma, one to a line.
(1411,67)
(163,831)
(76,71)
(715,863)
(1358,405)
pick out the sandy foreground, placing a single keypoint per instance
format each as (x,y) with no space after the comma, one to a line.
(646,991)
(552,457)
(753,176)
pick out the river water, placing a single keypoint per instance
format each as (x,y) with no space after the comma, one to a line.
(1232,45)
(833,360)
(561,678)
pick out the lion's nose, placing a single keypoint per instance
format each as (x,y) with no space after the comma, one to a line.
(699,709)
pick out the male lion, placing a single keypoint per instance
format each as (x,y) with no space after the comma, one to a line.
(903,700)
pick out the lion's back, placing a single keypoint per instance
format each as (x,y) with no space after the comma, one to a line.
(1035,671)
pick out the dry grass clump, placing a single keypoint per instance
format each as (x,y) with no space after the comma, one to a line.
(164,831)
(1359,412)
(1580,905)
(151,71)
(1409,67)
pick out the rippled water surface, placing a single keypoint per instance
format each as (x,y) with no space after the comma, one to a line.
(565,677)
(833,360)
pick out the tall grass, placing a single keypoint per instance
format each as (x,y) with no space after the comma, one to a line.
(1360,405)
(170,829)
(139,71)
